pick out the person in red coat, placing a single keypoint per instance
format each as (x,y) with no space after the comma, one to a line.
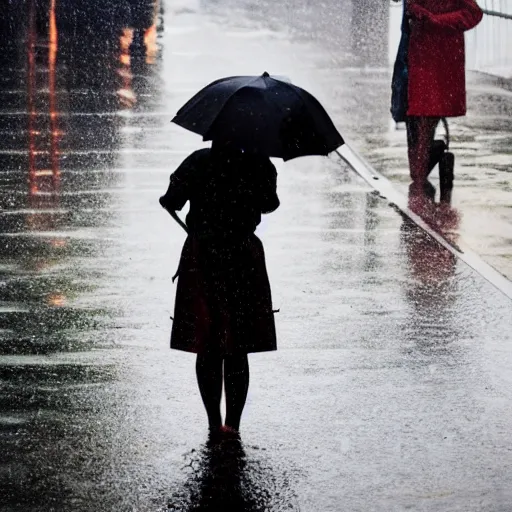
(436,72)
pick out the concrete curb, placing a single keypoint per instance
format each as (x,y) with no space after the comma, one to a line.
(386,190)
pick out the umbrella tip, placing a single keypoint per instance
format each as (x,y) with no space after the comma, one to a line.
(265,75)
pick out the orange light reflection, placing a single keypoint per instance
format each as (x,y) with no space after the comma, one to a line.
(125,93)
(150,43)
(52,60)
(43,131)
(56,299)
(59,243)
(150,36)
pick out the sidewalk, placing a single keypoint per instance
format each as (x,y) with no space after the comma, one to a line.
(359,100)
(390,389)
(481,142)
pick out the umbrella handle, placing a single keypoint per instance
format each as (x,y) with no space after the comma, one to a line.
(174,215)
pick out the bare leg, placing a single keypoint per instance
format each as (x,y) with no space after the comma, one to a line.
(209,378)
(420,136)
(236,382)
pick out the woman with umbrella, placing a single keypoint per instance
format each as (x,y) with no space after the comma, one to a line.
(223,307)
(429,76)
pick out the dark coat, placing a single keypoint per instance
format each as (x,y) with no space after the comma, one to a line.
(223,300)
(400,82)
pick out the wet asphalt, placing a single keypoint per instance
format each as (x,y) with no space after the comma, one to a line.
(390,389)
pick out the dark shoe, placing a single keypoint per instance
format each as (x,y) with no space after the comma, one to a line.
(436,153)
(446,176)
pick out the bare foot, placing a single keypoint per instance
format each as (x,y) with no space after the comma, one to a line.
(229,431)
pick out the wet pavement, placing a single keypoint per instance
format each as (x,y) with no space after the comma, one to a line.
(359,93)
(390,389)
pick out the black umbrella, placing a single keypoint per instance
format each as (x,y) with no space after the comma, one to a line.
(261,113)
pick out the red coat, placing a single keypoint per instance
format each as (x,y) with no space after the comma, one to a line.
(436,56)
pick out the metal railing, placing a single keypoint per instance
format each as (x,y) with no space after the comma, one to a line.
(498,8)
(489,45)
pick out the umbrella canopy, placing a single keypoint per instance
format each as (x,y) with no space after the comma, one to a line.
(261,113)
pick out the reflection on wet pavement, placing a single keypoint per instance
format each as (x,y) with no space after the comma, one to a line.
(63,86)
(481,142)
(390,389)
(220,476)
(50,195)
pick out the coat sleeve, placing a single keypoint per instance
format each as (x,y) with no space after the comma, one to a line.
(180,183)
(465,18)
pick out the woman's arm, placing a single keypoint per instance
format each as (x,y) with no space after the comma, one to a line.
(178,191)
(465,18)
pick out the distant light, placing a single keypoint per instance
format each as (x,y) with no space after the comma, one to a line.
(56,299)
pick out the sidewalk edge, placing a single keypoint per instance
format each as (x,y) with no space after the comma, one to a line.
(387,191)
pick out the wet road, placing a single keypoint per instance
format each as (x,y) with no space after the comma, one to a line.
(391,386)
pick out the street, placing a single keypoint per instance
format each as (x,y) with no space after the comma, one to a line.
(391,386)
